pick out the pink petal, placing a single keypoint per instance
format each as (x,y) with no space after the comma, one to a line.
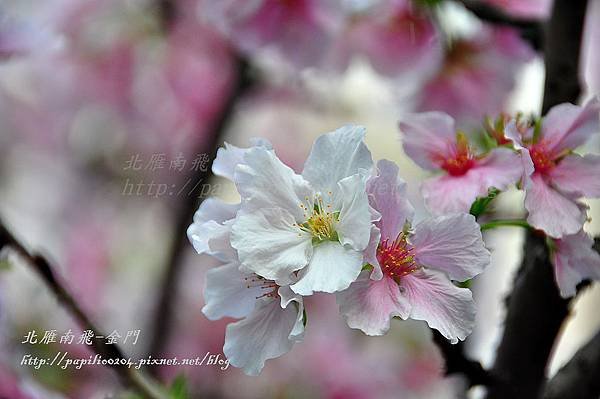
(501,168)
(574,261)
(550,210)
(396,38)
(451,244)
(387,195)
(428,137)
(450,194)
(369,305)
(445,307)
(568,126)
(578,175)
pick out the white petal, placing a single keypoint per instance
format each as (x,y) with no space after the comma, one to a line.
(354,226)
(270,245)
(445,307)
(210,231)
(265,182)
(332,268)
(230,156)
(263,335)
(288,296)
(227,292)
(337,155)
(370,305)
(451,244)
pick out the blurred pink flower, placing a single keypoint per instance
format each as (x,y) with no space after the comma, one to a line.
(10,385)
(559,176)
(298,29)
(430,139)
(412,270)
(395,36)
(87,263)
(18,37)
(524,8)
(574,260)
(477,76)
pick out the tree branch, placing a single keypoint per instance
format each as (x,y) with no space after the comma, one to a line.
(535,310)
(164,312)
(578,379)
(129,376)
(457,363)
(530,29)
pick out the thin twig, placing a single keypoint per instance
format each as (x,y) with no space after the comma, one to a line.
(129,376)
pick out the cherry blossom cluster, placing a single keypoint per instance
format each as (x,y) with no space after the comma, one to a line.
(342,226)
(538,155)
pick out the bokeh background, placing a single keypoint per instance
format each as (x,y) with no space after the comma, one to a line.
(110,108)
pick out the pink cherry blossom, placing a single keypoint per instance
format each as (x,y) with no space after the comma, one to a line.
(298,29)
(477,76)
(524,8)
(412,271)
(394,36)
(431,140)
(10,385)
(574,260)
(560,177)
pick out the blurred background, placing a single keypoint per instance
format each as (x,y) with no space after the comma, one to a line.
(110,111)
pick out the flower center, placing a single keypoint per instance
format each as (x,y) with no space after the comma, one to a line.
(542,161)
(320,220)
(462,159)
(396,258)
(268,287)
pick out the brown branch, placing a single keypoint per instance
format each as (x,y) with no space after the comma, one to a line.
(530,29)
(164,312)
(578,379)
(535,310)
(457,363)
(129,376)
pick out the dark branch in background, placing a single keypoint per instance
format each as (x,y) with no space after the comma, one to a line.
(164,311)
(535,313)
(457,363)
(129,377)
(535,310)
(530,29)
(561,55)
(578,379)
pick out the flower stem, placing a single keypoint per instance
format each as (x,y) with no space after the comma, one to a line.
(492,224)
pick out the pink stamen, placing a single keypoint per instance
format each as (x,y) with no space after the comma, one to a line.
(396,258)
(542,160)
